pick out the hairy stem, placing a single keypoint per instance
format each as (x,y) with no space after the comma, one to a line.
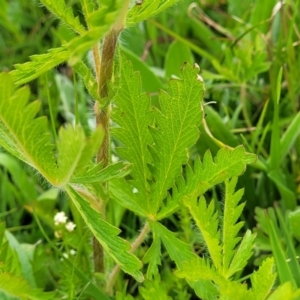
(104,75)
(134,246)
(104,71)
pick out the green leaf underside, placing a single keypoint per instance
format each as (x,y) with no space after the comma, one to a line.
(29,139)
(147,9)
(16,286)
(107,235)
(205,174)
(176,129)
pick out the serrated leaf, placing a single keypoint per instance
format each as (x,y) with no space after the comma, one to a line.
(196,269)
(242,254)
(154,289)
(107,235)
(147,9)
(176,129)
(98,174)
(71,51)
(16,286)
(88,6)
(153,257)
(263,279)
(203,175)
(39,64)
(230,228)
(25,137)
(60,9)
(206,218)
(132,114)
(28,138)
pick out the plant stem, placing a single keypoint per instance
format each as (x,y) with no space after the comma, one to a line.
(134,246)
(104,74)
(104,71)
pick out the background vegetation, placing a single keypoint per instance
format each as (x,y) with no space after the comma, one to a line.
(241,47)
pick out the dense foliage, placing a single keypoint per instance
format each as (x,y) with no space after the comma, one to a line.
(138,174)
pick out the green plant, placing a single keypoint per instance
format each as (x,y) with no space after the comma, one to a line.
(160,180)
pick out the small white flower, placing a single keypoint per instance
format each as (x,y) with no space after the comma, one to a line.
(60,218)
(66,255)
(70,226)
(72,252)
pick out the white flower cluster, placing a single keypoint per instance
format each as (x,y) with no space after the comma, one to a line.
(61,218)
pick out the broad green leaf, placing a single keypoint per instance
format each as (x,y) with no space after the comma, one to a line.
(27,270)
(60,9)
(206,218)
(133,115)
(16,286)
(175,129)
(107,235)
(147,9)
(263,279)
(150,82)
(177,54)
(230,228)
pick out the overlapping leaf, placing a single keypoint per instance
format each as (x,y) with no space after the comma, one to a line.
(176,129)
(133,115)
(107,235)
